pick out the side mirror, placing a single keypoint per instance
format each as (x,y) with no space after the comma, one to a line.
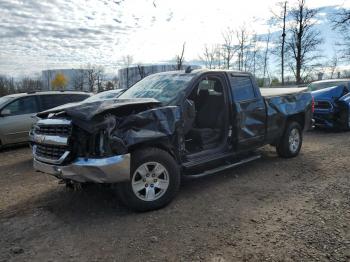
(6,112)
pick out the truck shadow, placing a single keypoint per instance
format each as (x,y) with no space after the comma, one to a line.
(99,202)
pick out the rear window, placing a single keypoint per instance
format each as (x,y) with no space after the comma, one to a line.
(242,88)
(51,101)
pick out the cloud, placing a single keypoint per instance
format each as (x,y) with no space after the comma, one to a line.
(39,34)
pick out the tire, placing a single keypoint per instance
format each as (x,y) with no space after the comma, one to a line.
(149,189)
(291,140)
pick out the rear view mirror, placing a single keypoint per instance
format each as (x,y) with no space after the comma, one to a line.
(6,112)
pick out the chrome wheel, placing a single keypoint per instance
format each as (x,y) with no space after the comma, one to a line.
(294,140)
(150,181)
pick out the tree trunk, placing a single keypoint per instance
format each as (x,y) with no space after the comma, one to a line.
(283,41)
(299,45)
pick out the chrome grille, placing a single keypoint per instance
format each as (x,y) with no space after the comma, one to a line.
(54,130)
(50,140)
(50,152)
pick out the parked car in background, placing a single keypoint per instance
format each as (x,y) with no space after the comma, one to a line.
(318,85)
(17,111)
(110,94)
(332,103)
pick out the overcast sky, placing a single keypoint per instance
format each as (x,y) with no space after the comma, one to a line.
(39,34)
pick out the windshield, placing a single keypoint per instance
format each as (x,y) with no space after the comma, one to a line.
(163,87)
(322,85)
(5,99)
(104,95)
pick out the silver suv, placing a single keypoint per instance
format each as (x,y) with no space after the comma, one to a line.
(17,111)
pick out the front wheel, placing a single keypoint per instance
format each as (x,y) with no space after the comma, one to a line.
(291,141)
(154,180)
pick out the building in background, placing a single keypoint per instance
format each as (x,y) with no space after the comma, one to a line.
(131,75)
(65,79)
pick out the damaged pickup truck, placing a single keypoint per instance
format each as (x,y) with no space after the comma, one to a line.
(168,126)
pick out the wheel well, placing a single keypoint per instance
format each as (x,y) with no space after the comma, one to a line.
(161,146)
(299,118)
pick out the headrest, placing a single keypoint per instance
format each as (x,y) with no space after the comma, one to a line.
(203,92)
(218,87)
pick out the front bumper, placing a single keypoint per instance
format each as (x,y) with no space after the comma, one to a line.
(97,170)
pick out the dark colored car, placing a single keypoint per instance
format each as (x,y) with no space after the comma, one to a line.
(167,126)
(17,111)
(332,103)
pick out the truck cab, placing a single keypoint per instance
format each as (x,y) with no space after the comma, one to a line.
(167,126)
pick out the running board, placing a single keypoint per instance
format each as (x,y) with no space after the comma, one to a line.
(222,168)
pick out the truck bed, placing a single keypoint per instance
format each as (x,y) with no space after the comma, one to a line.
(270,92)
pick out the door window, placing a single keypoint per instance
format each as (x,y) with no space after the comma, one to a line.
(51,101)
(242,88)
(21,106)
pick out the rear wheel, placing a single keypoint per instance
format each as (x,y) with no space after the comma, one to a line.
(154,180)
(291,141)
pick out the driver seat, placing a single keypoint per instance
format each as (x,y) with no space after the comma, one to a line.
(210,118)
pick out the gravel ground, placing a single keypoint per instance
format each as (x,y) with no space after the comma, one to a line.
(272,209)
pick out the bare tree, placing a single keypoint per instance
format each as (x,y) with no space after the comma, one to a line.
(242,38)
(228,49)
(94,75)
(9,86)
(279,18)
(180,57)
(266,55)
(333,65)
(304,39)
(141,70)
(209,56)
(253,55)
(341,18)
(341,22)
(79,80)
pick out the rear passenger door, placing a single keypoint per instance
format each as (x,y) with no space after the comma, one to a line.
(250,118)
(15,126)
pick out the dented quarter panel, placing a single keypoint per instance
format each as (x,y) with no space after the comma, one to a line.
(279,108)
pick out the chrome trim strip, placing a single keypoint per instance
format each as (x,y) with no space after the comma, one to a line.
(50,140)
(48,160)
(98,170)
(54,121)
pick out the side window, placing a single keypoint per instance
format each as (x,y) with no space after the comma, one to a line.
(242,88)
(212,85)
(22,106)
(74,98)
(50,101)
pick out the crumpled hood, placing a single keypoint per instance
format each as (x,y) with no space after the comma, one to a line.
(88,110)
(329,93)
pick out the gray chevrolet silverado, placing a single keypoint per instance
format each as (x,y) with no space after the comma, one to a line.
(166,127)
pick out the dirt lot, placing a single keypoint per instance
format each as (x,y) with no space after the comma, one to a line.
(270,210)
